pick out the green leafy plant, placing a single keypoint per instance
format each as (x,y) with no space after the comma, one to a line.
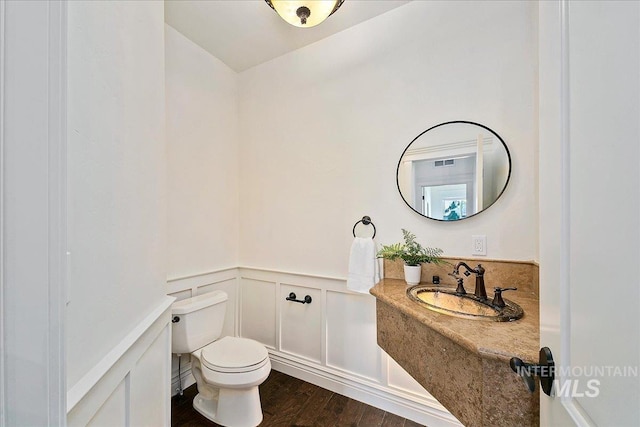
(411,252)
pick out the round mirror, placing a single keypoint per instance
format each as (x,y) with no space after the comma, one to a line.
(453,170)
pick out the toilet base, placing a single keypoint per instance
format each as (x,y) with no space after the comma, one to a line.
(206,407)
(231,407)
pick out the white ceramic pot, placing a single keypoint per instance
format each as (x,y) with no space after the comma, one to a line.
(412,274)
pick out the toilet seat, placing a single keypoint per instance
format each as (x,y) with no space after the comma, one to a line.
(234,355)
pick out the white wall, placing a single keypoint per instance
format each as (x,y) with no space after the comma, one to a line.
(318,133)
(323,128)
(116,176)
(202,159)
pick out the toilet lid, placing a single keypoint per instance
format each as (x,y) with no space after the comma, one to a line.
(232,354)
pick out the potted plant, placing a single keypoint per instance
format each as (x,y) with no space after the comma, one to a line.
(413,254)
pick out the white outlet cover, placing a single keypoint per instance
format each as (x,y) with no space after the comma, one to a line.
(479,245)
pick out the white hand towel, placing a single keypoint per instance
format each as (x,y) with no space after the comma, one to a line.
(363,265)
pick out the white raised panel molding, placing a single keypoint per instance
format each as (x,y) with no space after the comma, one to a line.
(301,324)
(338,349)
(352,364)
(33,212)
(351,334)
(149,382)
(113,411)
(134,363)
(341,331)
(258,311)
(400,380)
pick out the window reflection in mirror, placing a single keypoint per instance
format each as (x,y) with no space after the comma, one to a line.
(453,170)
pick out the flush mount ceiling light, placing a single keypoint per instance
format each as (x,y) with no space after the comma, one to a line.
(304,13)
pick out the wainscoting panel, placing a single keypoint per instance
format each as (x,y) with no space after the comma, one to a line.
(351,334)
(351,362)
(258,311)
(113,411)
(150,381)
(400,380)
(136,370)
(301,324)
(331,343)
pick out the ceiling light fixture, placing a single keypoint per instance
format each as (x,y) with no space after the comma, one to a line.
(304,13)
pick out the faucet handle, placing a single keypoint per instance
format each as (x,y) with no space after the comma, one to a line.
(460,289)
(497,296)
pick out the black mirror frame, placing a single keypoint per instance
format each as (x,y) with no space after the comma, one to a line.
(448,123)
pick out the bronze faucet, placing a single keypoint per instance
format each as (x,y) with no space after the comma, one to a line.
(480,290)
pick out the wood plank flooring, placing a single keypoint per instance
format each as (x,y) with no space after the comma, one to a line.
(288,401)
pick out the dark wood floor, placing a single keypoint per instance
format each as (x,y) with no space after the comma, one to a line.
(288,401)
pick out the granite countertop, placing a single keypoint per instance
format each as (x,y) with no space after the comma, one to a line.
(491,340)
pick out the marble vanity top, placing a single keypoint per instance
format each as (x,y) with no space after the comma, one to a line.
(464,363)
(490,340)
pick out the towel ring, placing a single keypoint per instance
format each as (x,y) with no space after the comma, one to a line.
(366,220)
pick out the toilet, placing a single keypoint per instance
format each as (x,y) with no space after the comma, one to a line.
(228,370)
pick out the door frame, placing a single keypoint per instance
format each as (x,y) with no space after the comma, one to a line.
(555,167)
(23,185)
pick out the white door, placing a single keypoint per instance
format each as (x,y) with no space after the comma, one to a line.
(589,185)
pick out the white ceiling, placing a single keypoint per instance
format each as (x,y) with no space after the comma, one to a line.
(245,33)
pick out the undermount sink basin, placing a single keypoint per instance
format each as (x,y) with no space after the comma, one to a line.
(444,300)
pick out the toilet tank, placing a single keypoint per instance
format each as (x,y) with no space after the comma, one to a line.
(197,321)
